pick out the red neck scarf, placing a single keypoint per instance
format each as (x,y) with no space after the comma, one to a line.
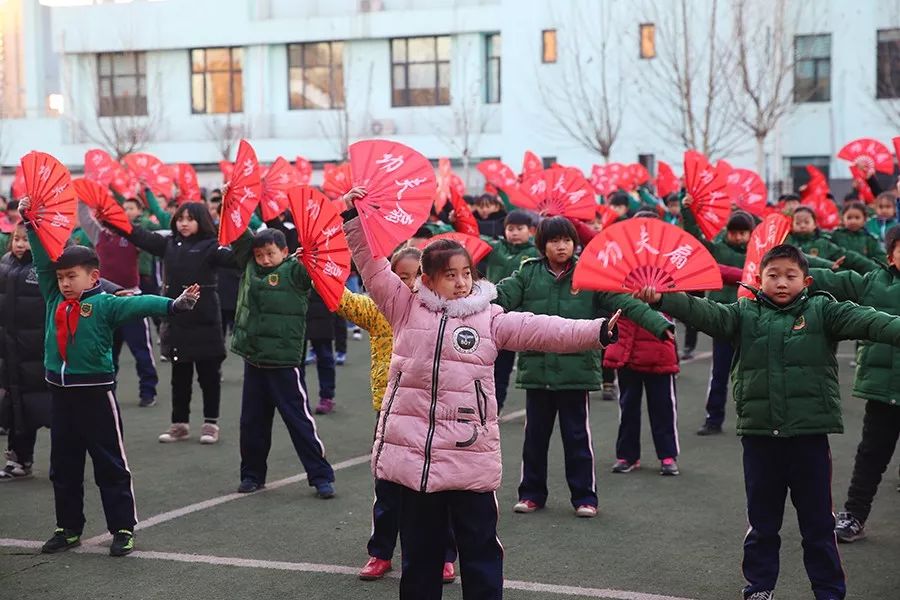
(66,320)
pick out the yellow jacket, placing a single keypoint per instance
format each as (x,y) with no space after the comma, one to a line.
(361,310)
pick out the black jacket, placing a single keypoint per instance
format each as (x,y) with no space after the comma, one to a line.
(319,320)
(493,226)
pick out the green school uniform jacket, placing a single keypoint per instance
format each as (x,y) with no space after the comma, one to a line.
(723,252)
(862,242)
(820,245)
(89,352)
(785,374)
(505,258)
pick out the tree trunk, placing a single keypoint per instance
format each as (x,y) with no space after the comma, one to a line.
(761,155)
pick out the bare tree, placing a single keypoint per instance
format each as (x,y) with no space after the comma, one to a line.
(226,131)
(470,120)
(336,127)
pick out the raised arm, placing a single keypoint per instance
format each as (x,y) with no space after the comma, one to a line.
(639,312)
(859,263)
(849,321)
(89,224)
(43,266)
(712,318)
(242,249)
(153,243)
(164,218)
(845,285)
(520,332)
(690,225)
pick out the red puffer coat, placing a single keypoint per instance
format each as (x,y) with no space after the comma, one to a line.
(639,350)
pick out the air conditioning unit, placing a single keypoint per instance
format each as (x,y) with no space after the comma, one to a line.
(382,127)
(371,5)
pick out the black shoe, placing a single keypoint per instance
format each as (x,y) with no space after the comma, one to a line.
(62,540)
(709,429)
(849,528)
(248,485)
(122,544)
(610,392)
(325,490)
(147,401)
(687,354)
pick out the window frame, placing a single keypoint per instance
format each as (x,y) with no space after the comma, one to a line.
(544,48)
(889,90)
(332,66)
(641,28)
(488,61)
(816,62)
(138,101)
(206,71)
(406,62)
(798,164)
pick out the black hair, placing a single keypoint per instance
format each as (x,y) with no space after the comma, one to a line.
(673,197)
(78,256)
(424,233)
(265,237)
(830,196)
(488,199)
(405,253)
(646,212)
(854,205)
(888,195)
(789,198)
(809,211)
(133,199)
(619,199)
(552,228)
(891,239)
(792,253)
(12,205)
(518,217)
(740,221)
(198,212)
(436,257)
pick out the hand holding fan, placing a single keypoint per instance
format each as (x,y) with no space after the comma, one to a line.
(323,247)
(707,185)
(338,180)
(52,212)
(475,246)
(773,230)
(101,201)
(559,192)
(400,186)
(862,185)
(279,178)
(873,153)
(241,196)
(639,253)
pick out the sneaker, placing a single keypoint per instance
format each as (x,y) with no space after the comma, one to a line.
(668,466)
(340,358)
(449,572)
(62,540)
(249,486)
(178,432)
(357,334)
(326,405)
(147,401)
(209,433)
(122,544)
(848,528)
(709,429)
(14,469)
(4,431)
(526,506)
(586,511)
(610,392)
(770,595)
(163,357)
(687,354)
(325,490)
(623,466)
(375,568)
(310,357)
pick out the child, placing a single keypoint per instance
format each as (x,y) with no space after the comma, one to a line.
(853,234)
(506,256)
(731,251)
(190,253)
(557,383)
(438,436)
(787,401)
(269,324)
(805,235)
(673,210)
(80,321)
(620,202)
(885,215)
(320,338)
(491,216)
(788,203)
(875,382)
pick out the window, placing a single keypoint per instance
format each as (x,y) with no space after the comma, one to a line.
(648,161)
(548,46)
(216,80)
(420,71)
(812,68)
(648,40)
(492,65)
(316,75)
(888,65)
(797,168)
(121,84)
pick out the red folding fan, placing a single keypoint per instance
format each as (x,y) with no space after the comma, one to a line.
(320,233)
(603,181)
(442,191)
(101,201)
(607,215)
(827,214)
(337,181)
(475,246)
(276,182)
(304,170)
(641,252)
(497,174)
(707,185)
(559,192)
(622,175)
(666,180)
(227,169)
(186,180)
(125,183)
(242,196)
(862,185)
(748,191)
(53,205)
(773,230)
(18,186)
(99,166)
(464,221)
(896,142)
(400,186)
(872,152)
(638,174)
(150,171)
(531,164)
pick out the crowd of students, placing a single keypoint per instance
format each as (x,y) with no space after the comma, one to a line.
(444,343)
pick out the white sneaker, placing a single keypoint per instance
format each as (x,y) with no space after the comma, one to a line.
(209,433)
(357,334)
(586,511)
(178,432)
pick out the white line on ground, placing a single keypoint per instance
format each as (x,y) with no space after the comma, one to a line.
(278,565)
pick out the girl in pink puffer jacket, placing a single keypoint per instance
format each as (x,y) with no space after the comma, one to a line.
(438,434)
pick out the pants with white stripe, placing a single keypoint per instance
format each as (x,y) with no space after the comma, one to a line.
(137,335)
(541,408)
(86,421)
(662,409)
(723,353)
(266,389)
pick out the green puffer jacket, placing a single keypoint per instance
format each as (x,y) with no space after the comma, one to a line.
(878,365)
(785,374)
(860,241)
(533,288)
(722,251)
(820,245)
(270,322)
(505,258)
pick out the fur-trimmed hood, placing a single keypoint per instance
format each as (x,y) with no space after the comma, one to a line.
(483,292)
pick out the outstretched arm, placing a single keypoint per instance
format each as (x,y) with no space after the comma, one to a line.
(637,311)
(845,285)
(712,318)
(43,266)
(849,321)
(520,332)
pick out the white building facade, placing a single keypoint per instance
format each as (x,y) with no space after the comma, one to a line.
(466,79)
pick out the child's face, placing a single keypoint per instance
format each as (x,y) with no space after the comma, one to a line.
(517,234)
(132,210)
(596,224)
(13,215)
(269,255)
(674,208)
(885,208)
(559,250)
(893,257)
(486,209)
(407,270)
(186,224)
(737,237)
(782,280)
(804,224)
(854,219)
(790,206)
(620,209)
(75,280)
(453,282)
(19,244)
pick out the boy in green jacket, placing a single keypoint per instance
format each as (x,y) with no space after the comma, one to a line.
(877,382)
(787,401)
(269,329)
(80,321)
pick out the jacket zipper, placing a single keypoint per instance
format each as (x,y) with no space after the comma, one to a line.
(431,416)
(479,397)
(387,413)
